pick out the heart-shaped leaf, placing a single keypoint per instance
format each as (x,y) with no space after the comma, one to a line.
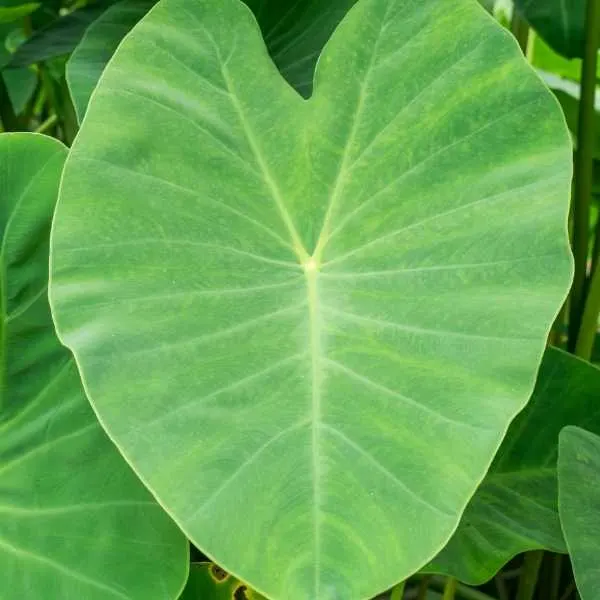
(579,505)
(516,507)
(75,522)
(292,315)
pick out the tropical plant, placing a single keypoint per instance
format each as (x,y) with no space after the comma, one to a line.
(309,262)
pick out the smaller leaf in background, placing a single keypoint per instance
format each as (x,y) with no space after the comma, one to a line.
(560,23)
(515,509)
(20,83)
(579,505)
(97,47)
(14,13)
(60,37)
(209,582)
(544,58)
(295,33)
(568,96)
(21,86)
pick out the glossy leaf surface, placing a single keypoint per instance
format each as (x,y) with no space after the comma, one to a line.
(75,522)
(516,507)
(579,504)
(319,300)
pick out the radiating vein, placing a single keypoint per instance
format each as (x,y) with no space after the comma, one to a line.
(458,209)
(404,399)
(380,467)
(232,387)
(131,174)
(69,572)
(430,157)
(421,330)
(251,459)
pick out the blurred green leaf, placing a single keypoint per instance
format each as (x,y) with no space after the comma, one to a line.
(560,23)
(570,106)
(516,507)
(546,59)
(14,13)
(58,38)
(21,84)
(579,505)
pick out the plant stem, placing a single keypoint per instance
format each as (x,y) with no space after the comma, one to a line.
(398,591)
(462,591)
(570,589)
(450,589)
(501,588)
(583,176)
(520,29)
(47,124)
(423,587)
(7,112)
(589,320)
(529,575)
(557,563)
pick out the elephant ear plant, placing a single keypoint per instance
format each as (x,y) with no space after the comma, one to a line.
(304,310)
(307,323)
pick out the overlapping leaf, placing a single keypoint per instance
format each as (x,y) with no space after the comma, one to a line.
(579,505)
(516,507)
(74,520)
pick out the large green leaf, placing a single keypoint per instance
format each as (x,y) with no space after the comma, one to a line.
(313,304)
(97,47)
(209,582)
(516,509)
(560,22)
(74,520)
(579,505)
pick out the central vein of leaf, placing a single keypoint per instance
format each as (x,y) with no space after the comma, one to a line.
(311,270)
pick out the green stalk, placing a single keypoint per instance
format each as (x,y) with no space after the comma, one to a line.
(501,588)
(47,124)
(450,589)
(520,29)
(7,112)
(462,591)
(398,591)
(423,588)
(584,157)
(529,575)
(555,576)
(589,320)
